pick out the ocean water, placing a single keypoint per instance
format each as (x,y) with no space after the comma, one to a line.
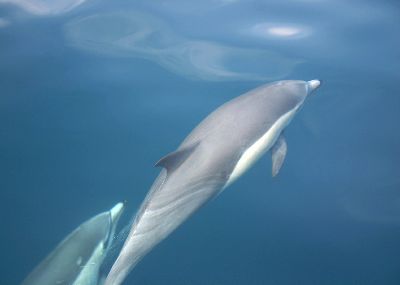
(94,92)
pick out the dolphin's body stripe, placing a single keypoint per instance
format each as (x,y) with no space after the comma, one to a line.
(218,151)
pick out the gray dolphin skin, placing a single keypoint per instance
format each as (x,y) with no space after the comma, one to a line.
(217,152)
(77,259)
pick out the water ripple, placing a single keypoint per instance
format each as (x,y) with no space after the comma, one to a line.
(139,35)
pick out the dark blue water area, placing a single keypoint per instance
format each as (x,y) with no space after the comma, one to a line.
(92,94)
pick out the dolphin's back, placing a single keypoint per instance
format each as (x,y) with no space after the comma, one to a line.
(249,115)
(66,261)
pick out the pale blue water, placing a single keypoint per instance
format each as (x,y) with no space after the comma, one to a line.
(92,94)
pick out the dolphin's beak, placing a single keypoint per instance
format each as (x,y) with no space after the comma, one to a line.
(116,212)
(312,85)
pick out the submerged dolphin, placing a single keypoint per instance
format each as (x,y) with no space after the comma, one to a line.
(218,151)
(77,259)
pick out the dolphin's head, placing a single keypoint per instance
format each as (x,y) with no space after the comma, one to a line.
(287,95)
(269,102)
(115,212)
(114,215)
(296,91)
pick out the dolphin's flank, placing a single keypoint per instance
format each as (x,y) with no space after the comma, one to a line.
(217,152)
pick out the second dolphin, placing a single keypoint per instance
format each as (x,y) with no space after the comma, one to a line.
(78,258)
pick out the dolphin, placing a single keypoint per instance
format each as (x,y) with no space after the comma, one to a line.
(216,153)
(77,259)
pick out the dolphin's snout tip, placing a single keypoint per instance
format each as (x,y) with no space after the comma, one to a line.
(116,211)
(313,84)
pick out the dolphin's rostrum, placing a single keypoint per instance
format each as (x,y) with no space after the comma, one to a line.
(217,152)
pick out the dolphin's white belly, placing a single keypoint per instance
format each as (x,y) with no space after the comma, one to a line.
(260,147)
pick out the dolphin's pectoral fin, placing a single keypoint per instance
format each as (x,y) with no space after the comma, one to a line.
(279,150)
(174,159)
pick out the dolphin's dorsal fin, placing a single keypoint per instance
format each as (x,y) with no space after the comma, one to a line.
(174,159)
(278,150)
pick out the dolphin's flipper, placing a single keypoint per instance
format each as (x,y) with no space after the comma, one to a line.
(278,154)
(174,159)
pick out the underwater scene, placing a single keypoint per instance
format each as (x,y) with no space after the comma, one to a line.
(214,142)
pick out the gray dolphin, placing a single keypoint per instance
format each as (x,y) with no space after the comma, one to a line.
(77,259)
(217,152)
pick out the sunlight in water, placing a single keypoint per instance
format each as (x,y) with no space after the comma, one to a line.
(268,30)
(284,31)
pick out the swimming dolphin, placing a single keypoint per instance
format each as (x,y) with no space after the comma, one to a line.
(77,259)
(217,152)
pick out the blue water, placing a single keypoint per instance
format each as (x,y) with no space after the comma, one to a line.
(93,93)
